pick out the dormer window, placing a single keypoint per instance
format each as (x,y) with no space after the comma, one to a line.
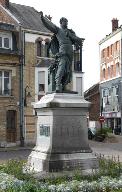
(5,41)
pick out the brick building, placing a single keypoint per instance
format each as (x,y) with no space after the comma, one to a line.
(23,39)
(9,77)
(110,76)
(93,96)
(27,61)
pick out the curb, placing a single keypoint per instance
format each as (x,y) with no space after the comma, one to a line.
(7,149)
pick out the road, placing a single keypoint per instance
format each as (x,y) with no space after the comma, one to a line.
(106,149)
(109,150)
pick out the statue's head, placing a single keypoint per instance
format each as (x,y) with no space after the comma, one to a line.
(63,22)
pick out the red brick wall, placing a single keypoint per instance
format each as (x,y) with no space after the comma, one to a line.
(108,58)
(5,17)
(93,96)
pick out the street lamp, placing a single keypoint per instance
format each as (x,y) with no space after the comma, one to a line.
(27,94)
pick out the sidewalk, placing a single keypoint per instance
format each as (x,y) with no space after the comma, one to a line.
(15,148)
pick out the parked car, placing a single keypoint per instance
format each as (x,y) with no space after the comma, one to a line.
(91,132)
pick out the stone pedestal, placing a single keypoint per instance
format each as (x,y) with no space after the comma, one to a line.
(62,134)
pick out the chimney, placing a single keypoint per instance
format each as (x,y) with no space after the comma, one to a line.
(114,24)
(49,17)
(5,3)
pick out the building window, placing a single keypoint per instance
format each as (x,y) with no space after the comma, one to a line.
(112,70)
(47,52)
(41,84)
(109,92)
(77,66)
(112,49)
(117,45)
(77,62)
(79,85)
(103,53)
(107,51)
(117,69)
(47,48)
(103,73)
(5,41)
(117,90)
(106,92)
(114,91)
(41,88)
(109,72)
(39,46)
(5,83)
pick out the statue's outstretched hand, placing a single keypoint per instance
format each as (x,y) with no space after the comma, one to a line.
(82,40)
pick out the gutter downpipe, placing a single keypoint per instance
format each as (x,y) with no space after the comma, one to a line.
(81,53)
(21,88)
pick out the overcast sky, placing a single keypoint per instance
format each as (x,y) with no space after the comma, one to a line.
(90,19)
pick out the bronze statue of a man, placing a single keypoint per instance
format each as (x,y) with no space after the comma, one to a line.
(63,40)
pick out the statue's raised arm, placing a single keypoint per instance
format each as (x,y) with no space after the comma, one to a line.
(75,39)
(53,28)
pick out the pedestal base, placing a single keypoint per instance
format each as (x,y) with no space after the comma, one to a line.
(62,135)
(39,162)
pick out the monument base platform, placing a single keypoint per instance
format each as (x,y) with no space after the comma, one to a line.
(62,135)
(39,162)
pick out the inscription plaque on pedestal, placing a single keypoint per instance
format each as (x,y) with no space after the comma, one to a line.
(44,130)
